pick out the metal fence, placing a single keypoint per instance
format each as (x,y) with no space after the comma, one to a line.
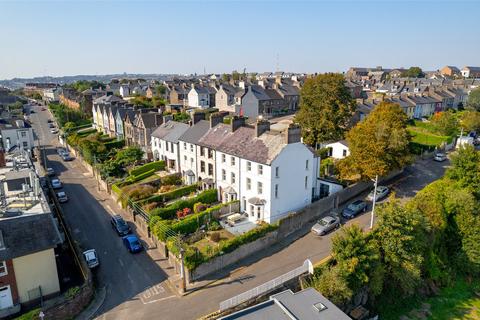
(267,286)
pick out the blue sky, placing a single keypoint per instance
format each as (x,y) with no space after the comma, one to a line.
(99,37)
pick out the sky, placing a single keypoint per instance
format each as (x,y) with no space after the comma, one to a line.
(58,38)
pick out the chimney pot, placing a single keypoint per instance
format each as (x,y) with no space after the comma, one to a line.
(261,126)
(293,134)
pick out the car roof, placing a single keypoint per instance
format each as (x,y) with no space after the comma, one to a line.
(131,237)
(381,188)
(328,218)
(357,201)
(118,217)
(61,193)
(55,180)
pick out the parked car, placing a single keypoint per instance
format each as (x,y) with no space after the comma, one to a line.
(54,131)
(62,197)
(440,157)
(67,157)
(382,192)
(50,172)
(49,121)
(326,224)
(51,125)
(56,184)
(354,209)
(44,109)
(91,258)
(120,226)
(61,151)
(132,243)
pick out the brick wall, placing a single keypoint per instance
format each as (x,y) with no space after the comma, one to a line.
(10,280)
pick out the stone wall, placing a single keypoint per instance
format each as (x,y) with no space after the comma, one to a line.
(69,308)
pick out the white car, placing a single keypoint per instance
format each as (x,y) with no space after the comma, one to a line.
(56,184)
(440,157)
(50,172)
(382,192)
(91,258)
(54,131)
(62,197)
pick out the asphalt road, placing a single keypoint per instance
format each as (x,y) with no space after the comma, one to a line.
(136,287)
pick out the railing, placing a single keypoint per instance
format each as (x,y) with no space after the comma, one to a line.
(267,286)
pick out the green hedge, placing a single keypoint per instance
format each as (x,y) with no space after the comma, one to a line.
(86,132)
(156,166)
(77,128)
(207,196)
(116,189)
(141,176)
(170,195)
(117,144)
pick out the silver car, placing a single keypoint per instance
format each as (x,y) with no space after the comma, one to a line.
(326,224)
(440,157)
(382,192)
(91,258)
(62,197)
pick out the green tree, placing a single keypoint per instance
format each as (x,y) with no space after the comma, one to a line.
(326,108)
(355,255)
(332,285)
(446,123)
(129,156)
(235,75)
(469,226)
(470,120)
(160,90)
(111,168)
(400,236)
(69,125)
(465,168)
(473,101)
(413,72)
(378,145)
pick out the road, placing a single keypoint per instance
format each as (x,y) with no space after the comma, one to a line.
(136,286)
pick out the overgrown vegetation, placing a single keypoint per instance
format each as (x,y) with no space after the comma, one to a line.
(64,114)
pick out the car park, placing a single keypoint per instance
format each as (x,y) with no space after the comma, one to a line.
(91,258)
(56,184)
(62,197)
(354,208)
(50,172)
(326,224)
(382,192)
(439,157)
(132,243)
(120,226)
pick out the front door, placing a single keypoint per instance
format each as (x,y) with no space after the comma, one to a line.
(5,297)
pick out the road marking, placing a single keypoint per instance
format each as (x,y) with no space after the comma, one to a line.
(158,300)
(121,263)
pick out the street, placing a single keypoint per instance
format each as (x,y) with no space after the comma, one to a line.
(137,287)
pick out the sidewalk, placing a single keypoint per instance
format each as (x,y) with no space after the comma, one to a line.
(93,307)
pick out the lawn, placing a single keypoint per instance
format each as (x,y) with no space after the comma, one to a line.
(206,246)
(459,301)
(428,139)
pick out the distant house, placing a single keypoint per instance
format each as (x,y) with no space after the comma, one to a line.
(307,304)
(124,90)
(199,97)
(260,101)
(471,72)
(450,71)
(16,134)
(338,150)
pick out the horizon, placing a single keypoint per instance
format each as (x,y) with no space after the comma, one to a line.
(161,37)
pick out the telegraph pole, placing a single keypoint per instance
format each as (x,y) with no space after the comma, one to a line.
(374,201)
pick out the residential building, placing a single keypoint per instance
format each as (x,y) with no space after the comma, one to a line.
(338,150)
(16,134)
(470,72)
(259,101)
(307,304)
(199,97)
(143,126)
(100,114)
(119,118)
(165,144)
(450,71)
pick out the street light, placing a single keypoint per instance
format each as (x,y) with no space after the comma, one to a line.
(374,200)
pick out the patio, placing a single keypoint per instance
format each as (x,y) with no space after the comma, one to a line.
(239,227)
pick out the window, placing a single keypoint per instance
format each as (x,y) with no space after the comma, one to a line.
(191,148)
(259,188)
(202,151)
(244,203)
(249,166)
(232,161)
(277,172)
(306,165)
(166,146)
(184,146)
(252,212)
(249,184)
(224,158)
(25,144)
(224,175)
(260,169)
(202,166)
(276,191)
(3,268)
(232,178)
(210,153)
(306,182)
(185,158)
(344,152)
(210,169)
(258,212)
(23,134)
(191,161)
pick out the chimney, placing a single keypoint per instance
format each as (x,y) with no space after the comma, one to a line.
(293,134)
(261,126)
(3,162)
(278,79)
(237,122)
(158,119)
(109,93)
(216,118)
(20,123)
(197,116)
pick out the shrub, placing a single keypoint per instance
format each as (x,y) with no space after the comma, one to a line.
(199,207)
(155,166)
(249,236)
(173,179)
(214,225)
(174,194)
(164,189)
(115,144)
(139,192)
(215,236)
(133,179)
(150,206)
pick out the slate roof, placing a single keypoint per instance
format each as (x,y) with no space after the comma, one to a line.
(107,99)
(170,131)
(259,92)
(28,234)
(243,143)
(149,119)
(195,132)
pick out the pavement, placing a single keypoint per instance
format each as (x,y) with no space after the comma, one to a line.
(137,286)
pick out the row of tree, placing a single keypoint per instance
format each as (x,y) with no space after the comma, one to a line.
(426,242)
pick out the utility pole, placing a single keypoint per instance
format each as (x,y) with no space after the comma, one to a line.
(182,271)
(374,201)
(93,171)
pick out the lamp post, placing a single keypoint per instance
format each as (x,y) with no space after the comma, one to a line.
(374,200)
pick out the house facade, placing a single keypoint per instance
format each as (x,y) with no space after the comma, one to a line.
(199,97)
(165,144)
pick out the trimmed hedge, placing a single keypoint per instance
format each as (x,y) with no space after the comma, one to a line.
(116,189)
(207,196)
(170,195)
(77,128)
(115,144)
(141,176)
(86,133)
(155,166)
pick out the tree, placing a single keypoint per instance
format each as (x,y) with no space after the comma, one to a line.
(400,235)
(333,286)
(355,256)
(129,156)
(326,108)
(473,102)
(469,226)
(413,72)
(470,120)
(446,123)
(69,125)
(378,145)
(465,169)
(160,90)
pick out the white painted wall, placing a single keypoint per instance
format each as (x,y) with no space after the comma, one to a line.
(23,137)
(166,150)
(188,158)
(338,150)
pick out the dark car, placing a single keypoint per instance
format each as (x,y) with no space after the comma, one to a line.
(120,226)
(132,243)
(354,208)
(67,157)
